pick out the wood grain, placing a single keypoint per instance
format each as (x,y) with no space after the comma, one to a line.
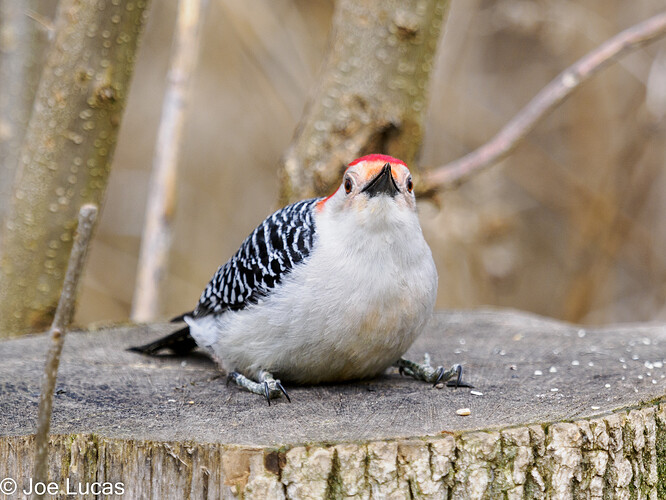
(169,426)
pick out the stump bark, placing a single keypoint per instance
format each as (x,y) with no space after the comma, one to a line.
(557,411)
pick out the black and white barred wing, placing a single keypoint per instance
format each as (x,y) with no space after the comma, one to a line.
(278,244)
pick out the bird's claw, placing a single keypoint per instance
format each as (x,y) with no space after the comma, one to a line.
(267,393)
(434,376)
(268,387)
(279,386)
(274,389)
(440,374)
(458,382)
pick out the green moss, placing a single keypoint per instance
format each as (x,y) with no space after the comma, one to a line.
(334,483)
(661,457)
(66,456)
(91,458)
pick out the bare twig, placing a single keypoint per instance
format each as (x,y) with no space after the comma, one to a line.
(45,24)
(509,137)
(157,235)
(62,319)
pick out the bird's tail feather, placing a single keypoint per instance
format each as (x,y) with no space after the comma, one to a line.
(180,342)
(181,317)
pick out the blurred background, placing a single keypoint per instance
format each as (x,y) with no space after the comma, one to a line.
(570,226)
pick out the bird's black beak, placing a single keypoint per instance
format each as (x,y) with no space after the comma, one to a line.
(384,183)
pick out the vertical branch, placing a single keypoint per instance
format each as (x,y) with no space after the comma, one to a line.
(371,95)
(63,317)
(66,154)
(157,236)
(22,44)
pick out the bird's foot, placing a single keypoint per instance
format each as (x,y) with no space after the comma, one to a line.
(423,371)
(267,386)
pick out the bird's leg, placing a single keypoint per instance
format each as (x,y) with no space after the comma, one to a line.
(267,386)
(423,371)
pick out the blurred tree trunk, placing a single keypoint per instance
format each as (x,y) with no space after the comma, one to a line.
(371,96)
(66,154)
(22,43)
(162,198)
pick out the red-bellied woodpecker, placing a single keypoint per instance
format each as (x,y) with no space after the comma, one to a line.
(324,290)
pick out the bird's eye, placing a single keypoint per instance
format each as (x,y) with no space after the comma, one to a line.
(348,185)
(410,185)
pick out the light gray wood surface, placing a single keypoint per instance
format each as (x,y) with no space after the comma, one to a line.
(535,376)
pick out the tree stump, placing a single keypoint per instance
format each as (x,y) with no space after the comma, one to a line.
(557,411)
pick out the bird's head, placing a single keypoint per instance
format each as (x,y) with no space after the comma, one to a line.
(376,187)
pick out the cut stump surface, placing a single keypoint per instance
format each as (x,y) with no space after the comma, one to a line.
(556,410)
